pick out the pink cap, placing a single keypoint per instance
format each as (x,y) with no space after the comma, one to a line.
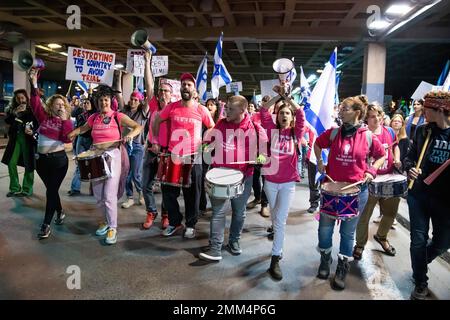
(138,95)
(187,76)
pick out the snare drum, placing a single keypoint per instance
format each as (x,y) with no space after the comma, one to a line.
(224,183)
(388,186)
(174,171)
(92,165)
(337,204)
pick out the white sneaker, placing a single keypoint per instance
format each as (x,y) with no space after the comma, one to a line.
(189,233)
(377,219)
(102,229)
(111,236)
(395,222)
(128,203)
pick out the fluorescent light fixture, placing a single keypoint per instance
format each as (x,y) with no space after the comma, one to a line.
(311,78)
(399,9)
(54,46)
(118,66)
(59,87)
(319,70)
(51,50)
(379,25)
(63,53)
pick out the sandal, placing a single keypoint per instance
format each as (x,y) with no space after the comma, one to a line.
(357,252)
(390,250)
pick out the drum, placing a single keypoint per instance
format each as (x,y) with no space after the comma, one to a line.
(224,183)
(92,165)
(337,204)
(388,186)
(174,171)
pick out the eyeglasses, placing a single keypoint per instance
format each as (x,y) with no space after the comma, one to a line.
(164,90)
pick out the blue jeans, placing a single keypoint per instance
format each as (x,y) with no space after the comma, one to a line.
(83,144)
(218,219)
(347,228)
(423,208)
(149,170)
(134,176)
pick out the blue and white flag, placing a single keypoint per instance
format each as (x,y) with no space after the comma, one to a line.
(220,76)
(336,98)
(446,85)
(202,78)
(443,74)
(305,91)
(84,86)
(320,115)
(292,75)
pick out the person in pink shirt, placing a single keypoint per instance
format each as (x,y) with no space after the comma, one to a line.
(388,206)
(52,163)
(186,118)
(347,162)
(234,139)
(106,126)
(282,173)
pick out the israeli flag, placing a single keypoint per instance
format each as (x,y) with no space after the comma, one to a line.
(319,116)
(292,75)
(202,77)
(305,91)
(84,86)
(220,76)
(443,74)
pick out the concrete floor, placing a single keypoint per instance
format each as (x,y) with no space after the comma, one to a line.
(144,265)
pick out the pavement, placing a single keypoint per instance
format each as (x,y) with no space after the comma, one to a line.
(75,264)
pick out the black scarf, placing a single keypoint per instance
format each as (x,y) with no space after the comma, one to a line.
(347,130)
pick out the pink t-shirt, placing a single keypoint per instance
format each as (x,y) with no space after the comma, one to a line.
(153,104)
(348,157)
(163,138)
(282,167)
(386,140)
(186,127)
(106,129)
(256,117)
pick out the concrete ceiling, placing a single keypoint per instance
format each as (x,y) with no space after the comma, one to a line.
(256,33)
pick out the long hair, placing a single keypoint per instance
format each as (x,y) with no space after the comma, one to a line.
(285,106)
(49,103)
(402,132)
(14,104)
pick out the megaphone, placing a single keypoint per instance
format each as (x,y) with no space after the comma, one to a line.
(139,38)
(283,66)
(25,61)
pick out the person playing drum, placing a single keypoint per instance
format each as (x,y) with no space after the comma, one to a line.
(232,138)
(282,173)
(186,117)
(106,135)
(349,147)
(388,206)
(428,199)
(52,163)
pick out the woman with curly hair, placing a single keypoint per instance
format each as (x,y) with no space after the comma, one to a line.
(52,163)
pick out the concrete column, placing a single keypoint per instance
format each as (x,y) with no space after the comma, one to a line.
(20,78)
(127,86)
(374,72)
(1,86)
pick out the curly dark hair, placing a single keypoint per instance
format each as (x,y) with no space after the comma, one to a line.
(14,104)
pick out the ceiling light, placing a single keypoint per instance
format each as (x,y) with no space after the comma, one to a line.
(119,66)
(59,87)
(379,25)
(398,10)
(319,70)
(63,53)
(54,46)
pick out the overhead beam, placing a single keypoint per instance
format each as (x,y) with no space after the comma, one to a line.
(158,4)
(289,11)
(241,51)
(225,8)
(200,17)
(109,12)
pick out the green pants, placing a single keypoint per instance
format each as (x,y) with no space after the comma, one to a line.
(388,208)
(20,148)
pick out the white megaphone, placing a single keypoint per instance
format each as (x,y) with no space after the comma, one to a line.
(283,67)
(139,38)
(24,61)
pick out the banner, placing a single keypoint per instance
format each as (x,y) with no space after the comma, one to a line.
(160,64)
(176,86)
(90,66)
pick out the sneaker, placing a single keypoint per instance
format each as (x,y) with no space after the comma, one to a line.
(311,209)
(420,292)
(170,230)
(377,219)
(253,204)
(102,229)
(111,236)
(59,220)
(265,212)
(141,199)
(210,255)
(45,231)
(13,194)
(189,233)
(156,187)
(73,193)
(395,222)
(149,220)
(234,247)
(164,220)
(128,203)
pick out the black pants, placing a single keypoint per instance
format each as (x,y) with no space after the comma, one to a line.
(191,199)
(52,169)
(258,188)
(203,200)
(314,194)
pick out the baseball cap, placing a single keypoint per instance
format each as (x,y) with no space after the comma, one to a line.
(187,76)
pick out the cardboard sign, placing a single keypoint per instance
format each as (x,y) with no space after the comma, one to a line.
(160,64)
(176,86)
(267,85)
(423,88)
(138,66)
(90,66)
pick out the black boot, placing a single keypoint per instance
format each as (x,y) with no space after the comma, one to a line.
(324,268)
(341,272)
(45,231)
(275,270)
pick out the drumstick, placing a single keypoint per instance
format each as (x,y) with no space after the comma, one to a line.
(243,162)
(429,180)
(352,185)
(330,178)
(422,153)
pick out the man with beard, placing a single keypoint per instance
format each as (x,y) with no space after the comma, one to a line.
(186,117)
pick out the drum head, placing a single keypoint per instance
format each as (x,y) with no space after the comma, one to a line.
(389,178)
(224,176)
(335,188)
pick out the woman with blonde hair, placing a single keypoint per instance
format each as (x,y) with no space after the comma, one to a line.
(52,163)
(399,126)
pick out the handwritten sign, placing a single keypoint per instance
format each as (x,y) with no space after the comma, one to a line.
(176,86)
(138,66)
(234,87)
(90,66)
(160,64)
